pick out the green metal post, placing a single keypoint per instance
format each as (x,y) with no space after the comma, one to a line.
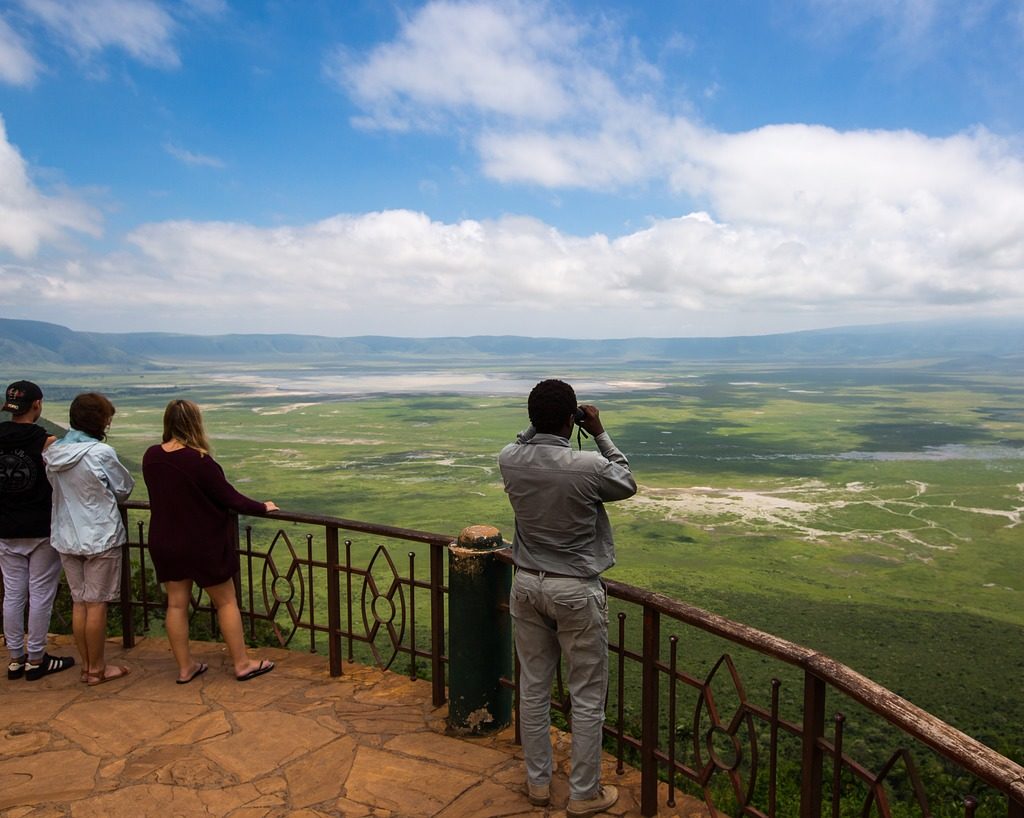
(479,633)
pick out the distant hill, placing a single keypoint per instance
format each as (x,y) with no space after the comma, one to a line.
(30,343)
(965,345)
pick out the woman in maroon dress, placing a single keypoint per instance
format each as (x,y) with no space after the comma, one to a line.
(191,538)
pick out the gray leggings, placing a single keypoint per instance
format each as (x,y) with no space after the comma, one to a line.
(31,570)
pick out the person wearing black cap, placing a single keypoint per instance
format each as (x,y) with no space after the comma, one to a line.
(30,565)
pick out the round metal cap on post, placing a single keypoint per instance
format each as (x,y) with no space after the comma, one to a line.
(479,633)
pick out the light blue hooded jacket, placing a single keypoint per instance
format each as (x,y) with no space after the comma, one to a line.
(88,482)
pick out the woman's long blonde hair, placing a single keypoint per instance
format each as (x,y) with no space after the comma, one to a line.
(184,422)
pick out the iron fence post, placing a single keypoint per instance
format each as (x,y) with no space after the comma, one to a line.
(237,543)
(479,633)
(437,620)
(649,712)
(333,603)
(813,757)
(127,624)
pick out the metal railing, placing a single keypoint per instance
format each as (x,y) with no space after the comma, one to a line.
(319,589)
(820,675)
(734,752)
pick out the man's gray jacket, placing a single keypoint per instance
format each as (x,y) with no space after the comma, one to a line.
(558,496)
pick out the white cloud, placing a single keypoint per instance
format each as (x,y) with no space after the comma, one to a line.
(636,145)
(903,20)
(545,99)
(797,214)
(913,35)
(28,218)
(140,27)
(145,29)
(187,157)
(906,22)
(509,60)
(17,64)
(401,272)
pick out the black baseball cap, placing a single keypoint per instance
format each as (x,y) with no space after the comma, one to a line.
(20,397)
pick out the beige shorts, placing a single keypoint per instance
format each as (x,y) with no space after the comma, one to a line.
(94,578)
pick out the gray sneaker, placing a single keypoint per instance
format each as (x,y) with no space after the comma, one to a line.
(539,794)
(584,808)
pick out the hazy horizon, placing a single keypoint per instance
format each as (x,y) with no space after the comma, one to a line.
(967,323)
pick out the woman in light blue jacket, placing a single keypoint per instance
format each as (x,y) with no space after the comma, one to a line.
(86,528)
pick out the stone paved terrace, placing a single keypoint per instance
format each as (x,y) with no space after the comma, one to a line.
(294,742)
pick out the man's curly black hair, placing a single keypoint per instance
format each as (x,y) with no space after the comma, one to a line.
(550,404)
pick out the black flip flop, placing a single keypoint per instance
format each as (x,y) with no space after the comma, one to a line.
(265,666)
(199,671)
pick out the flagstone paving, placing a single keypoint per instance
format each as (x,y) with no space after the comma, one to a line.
(294,742)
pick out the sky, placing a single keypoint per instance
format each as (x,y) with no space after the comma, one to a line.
(562,168)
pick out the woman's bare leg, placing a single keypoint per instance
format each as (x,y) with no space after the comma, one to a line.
(230,620)
(179,595)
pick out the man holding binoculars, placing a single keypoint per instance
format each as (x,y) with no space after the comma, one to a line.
(562,544)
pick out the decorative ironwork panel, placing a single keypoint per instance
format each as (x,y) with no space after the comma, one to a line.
(283,590)
(723,745)
(382,601)
(877,796)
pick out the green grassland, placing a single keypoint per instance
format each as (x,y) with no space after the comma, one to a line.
(870,512)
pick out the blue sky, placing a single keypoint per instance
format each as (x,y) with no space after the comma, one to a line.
(583,169)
